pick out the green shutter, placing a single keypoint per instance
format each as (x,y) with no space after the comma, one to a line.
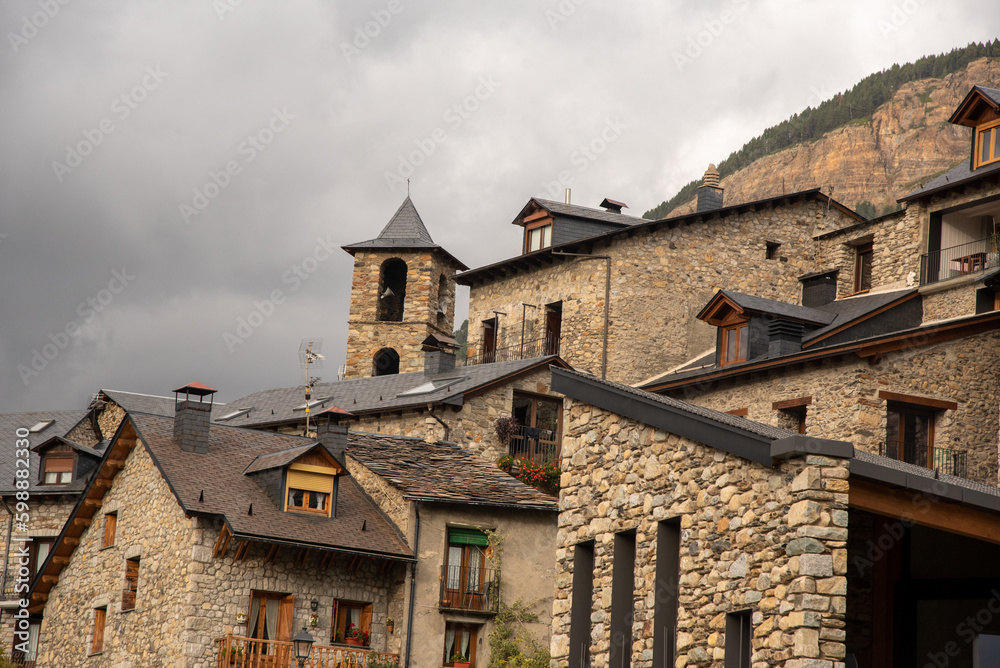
(467,537)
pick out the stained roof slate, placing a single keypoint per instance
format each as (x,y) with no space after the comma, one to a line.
(377,393)
(961,174)
(852,308)
(64,423)
(577,211)
(281,457)
(151,403)
(784,309)
(443,472)
(214,484)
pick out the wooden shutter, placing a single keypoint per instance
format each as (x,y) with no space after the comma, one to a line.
(285,618)
(309,481)
(467,537)
(366,618)
(55,464)
(97,645)
(110,526)
(131,584)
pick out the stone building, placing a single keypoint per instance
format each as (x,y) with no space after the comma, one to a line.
(54,452)
(402,292)
(692,537)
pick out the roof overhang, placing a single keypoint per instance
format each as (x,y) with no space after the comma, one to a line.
(972,106)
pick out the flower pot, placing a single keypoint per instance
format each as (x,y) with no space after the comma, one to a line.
(353,641)
(461,664)
(390,626)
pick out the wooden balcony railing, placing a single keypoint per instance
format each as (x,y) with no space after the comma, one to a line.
(241,652)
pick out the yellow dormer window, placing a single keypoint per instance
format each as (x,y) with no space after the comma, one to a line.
(311,484)
(988,144)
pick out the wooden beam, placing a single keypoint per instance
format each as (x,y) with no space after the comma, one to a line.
(60,561)
(103,483)
(50,579)
(81,521)
(925,510)
(918,401)
(72,541)
(222,542)
(93,503)
(272,554)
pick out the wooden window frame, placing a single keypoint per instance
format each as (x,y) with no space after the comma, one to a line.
(796,408)
(862,250)
(97,639)
(49,466)
(34,563)
(734,330)
(543,242)
(338,620)
(285,621)
(474,629)
(110,529)
(306,494)
(991,129)
(130,592)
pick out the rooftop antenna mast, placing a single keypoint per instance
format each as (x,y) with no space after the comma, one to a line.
(309,355)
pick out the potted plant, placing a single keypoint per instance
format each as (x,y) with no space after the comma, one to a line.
(355,636)
(459,661)
(390,624)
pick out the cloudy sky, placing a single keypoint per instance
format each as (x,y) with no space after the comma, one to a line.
(169,167)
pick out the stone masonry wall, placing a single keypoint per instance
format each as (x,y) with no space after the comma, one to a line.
(769,539)
(367,335)
(659,282)
(846,404)
(957,300)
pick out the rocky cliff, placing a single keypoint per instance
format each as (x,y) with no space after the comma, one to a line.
(906,141)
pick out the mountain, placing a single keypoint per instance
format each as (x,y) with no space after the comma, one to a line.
(865,163)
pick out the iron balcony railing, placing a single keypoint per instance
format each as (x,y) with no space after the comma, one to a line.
(537,445)
(960,260)
(945,460)
(471,588)
(519,351)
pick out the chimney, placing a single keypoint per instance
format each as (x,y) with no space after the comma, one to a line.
(439,354)
(331,431)
(613,206)
(819,289)
(567,195)
(784,337)
(710,191)
(192,418)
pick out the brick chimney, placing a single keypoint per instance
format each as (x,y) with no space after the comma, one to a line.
(439,354)
(331,431)
(710,191)
(192,418)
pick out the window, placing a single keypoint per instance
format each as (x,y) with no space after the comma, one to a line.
(349,616)
(539,436)
(771,250)
(97,642)
(668,548)
(131,584)
(309,501)
(270,616)
(467,580)
(792,413)
(909,434)
(38,551)
(391,290)
(27,658)
(57,469)
(110,527)
(987,299)
(738,634)
(582,604)
(489,340)
(863,254)
(460,639)
(385,363)
(735,341)
(553,327)
(537,238)
(987,144)
(622,599)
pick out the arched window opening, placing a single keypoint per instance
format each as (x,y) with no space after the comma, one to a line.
(444,300)
(385,362)
(391,290)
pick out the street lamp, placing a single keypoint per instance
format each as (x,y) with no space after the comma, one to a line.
(302,645)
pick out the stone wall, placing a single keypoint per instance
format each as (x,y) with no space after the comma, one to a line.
(110,418)
(660,280)
(769,539)
(950,300)
(367,335)
(845,396)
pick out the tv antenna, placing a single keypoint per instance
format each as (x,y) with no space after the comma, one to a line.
(309,355)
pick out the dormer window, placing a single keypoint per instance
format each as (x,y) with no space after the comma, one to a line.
(57,469)
(735,342)
(311,484)
(308,501)
(537,238)
(988,144)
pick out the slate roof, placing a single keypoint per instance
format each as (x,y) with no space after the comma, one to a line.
(133,402)
(280,458)
(853,308)
(64,423)
(959,175)
(405,230)
(991,93)
(378,393)
(443,472)
(782,309)
(576,211)
(228,493)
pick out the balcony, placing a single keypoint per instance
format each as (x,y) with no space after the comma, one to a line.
(241,652)
(471,589)
(537,445)
(960,260)
(945,460)
(521,351)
